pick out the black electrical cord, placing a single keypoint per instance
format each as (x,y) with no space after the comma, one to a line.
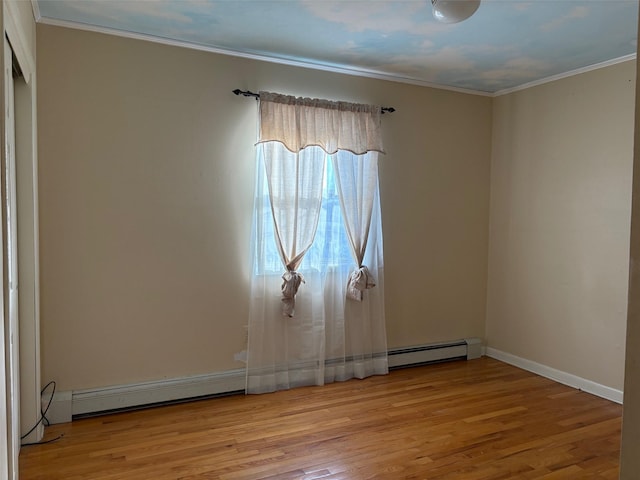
(43,417)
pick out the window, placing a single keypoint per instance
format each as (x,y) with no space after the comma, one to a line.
(330,248)
(331,327)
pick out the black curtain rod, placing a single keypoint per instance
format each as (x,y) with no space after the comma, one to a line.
(247,93)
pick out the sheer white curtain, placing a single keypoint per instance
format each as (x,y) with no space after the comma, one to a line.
(357,182)
(295,193)
(317,174)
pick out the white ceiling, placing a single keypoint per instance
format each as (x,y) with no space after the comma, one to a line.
(505,45)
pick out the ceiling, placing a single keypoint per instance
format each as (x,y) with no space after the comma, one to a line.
(505,45)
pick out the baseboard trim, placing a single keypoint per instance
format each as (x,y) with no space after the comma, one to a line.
(557,375)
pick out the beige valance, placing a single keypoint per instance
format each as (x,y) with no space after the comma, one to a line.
(299,122)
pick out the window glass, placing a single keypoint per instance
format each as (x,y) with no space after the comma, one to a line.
(330,247)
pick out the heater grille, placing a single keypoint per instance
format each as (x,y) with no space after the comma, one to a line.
(425,354)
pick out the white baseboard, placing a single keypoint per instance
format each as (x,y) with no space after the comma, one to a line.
(557,375)
(82,402)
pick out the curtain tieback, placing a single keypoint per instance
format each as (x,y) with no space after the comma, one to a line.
(359,280)
(290,285)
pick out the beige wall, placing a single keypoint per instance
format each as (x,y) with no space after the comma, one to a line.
(146,181)
(560,219)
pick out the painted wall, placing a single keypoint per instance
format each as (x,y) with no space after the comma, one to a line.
(560,223)
(146,183)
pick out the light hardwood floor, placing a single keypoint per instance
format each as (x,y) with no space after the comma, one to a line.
(466,420)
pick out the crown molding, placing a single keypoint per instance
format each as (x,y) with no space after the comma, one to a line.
(353,71)
(570,73)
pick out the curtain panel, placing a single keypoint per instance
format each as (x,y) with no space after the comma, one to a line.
(305,327)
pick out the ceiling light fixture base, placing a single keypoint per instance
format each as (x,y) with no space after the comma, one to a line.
(454,11)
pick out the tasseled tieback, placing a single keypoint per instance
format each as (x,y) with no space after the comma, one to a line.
(290,285)
(360,279)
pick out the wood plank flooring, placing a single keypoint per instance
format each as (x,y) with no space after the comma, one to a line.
(466,420)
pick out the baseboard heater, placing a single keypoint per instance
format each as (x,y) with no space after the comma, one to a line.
(82,403)
(466,349)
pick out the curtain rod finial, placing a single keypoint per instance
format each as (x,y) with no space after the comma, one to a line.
(246,93)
